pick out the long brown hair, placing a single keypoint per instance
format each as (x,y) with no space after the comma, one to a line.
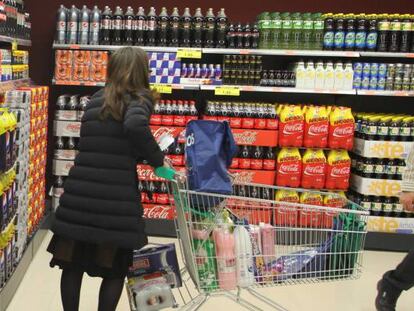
(128,75)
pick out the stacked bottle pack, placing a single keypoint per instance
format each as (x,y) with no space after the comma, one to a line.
(242,69)
(14,65)
(381,144)
(23,186)
(14,21)
(69,111)
(140,28)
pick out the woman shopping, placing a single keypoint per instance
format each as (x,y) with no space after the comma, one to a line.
(99,220)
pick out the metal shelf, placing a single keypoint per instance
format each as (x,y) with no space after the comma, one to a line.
(314,53)
(386,54)
(385,93)
(20,42)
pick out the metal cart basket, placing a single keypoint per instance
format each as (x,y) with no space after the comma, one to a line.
(318,240)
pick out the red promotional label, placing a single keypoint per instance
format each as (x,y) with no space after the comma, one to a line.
(210,118)
(167,120)
(289,173)
(224,119)
(247,123)
(269,164)
(179,132)
(179,121)
(235,123)
(191,118)
(163,199)
(153,211)
(272,124)
(177,160)
(260,124)
(256,164)
(255,137)
(155,119)
(245,164)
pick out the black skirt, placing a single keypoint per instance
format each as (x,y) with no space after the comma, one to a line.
(104,261)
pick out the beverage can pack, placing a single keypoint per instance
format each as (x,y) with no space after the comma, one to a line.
(310,217)
(338,170)
(334,200)
(289,168)
(341,130)
(286,215)
(291,126)
(316,127)
(313,169)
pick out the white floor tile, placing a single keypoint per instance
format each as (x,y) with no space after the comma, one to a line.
(39,290)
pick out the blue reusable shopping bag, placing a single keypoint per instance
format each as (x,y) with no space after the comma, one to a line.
(210,149)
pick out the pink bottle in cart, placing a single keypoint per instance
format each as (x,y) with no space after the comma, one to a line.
(268,245)
(226,257)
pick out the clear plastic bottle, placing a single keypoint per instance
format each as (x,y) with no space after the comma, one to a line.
(310,75)
(318,31)
(300,75)
(329,76)
(276,30)
(297,28)
(286,30)
(348,77)
(320,75)
(339,76)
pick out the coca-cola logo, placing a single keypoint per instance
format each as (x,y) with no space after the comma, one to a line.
(246,137)
(340,171)
(158,212)
(157,133)
(289,168)
(292,128)
(314,170)
(146,174)
(318,129)
(73,127)
(343,131)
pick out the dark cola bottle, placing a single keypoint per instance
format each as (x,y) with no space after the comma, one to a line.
(209,29)
(257,161)
(269,163)
(71,144)
(163,25)
(255,37)
(221,29)
(231,37)
(197,29)
(239,36)
(247,34)
(245,158)
(186,21)
(151,27)
(175,27)
(117,26)
(60,144)
(129,26)
(140,27)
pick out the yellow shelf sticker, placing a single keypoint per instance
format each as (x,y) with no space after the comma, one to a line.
(162,88)
(227,91)
(14,45)
(189,53)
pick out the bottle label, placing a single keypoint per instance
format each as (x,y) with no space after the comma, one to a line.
(384,26)
(379,169)
(366,206)
(372,130)
(398,208)
(360,39)
(396,26)
(391,169)
(394,131)
(308,25)
(264,24)
(226,265)
(406,26)
(287,24)
(368,169)
(339,39)
(383,130)
(117,24)
(140,25)
(328,39)
(350,39)
(376,206)
(372,40)
(277,24)
(151,25)
(400,170)
(387,207)
(405,131)
(297,25)
(128,24)
(61,26)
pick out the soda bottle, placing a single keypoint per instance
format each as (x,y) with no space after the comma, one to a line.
(186,20)
(339,76)
(313,169)
(198,22)
(257,161)
(151,27)
(61,25)
(394,128)
(376,205)
(255,37)
(245,158)
(297,27)
(71,144)
(209,29)
(350,33)
(366,203)
(339,38)
(289,168)
(129,26)
(286,30)
(310,74)
(174,27)
(406,34)
(94,29)
(383,33)
(60,144)
(338,170)
(117,26)
(231,37)
(163,23)
(361,35)
(316,127)
(395,34)
(269,163)
(265,28)
(307,31)
(239,36)
(140,27)
(72,28)
(372,36)
(247,37)
(221,29)
(397,207)
(318,31)
(84,26)
(329,32)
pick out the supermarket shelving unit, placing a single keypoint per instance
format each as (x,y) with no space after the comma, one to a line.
(379,101)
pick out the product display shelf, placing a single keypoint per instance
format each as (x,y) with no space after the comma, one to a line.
(249,88)
(385,93)
(13,84)
(20,42)
(387,54)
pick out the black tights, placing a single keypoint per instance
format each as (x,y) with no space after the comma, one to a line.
(70,287)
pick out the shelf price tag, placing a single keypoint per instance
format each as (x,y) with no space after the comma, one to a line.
(227,91)
(187,53)
(14,45)
(162,88)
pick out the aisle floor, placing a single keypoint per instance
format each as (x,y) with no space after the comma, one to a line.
(39,290)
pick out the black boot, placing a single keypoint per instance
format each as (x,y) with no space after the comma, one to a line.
(387,296)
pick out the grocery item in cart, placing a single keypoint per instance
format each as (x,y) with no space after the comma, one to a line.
(316,127)
(309,217)
(226,257)
(289,168)
(313,169)
(291,126)
(268,240)
(258,261)
(341,131)
(244,257)
(338,170)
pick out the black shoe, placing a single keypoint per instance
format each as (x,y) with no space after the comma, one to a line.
(387,297)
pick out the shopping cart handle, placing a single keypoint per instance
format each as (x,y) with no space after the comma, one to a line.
(165,172)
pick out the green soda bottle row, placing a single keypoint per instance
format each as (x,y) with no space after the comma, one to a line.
(298,31)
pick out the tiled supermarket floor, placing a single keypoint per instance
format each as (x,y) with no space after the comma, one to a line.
(39,290)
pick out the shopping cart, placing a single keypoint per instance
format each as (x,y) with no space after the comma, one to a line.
(288,242)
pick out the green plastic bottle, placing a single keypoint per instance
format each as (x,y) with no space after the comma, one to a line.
(297,31)
(307,32)
(318,31)
(264,30)
(286,30)
(276,32)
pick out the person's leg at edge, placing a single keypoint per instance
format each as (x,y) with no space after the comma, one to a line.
(394,282)
(70,287)
(110,293)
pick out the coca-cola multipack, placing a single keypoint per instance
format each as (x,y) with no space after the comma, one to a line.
(154,192)
(338,170)
(174,113)
(255,158)
(260,116)
(289,168)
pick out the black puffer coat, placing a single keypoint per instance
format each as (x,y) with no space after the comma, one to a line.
(101,203)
